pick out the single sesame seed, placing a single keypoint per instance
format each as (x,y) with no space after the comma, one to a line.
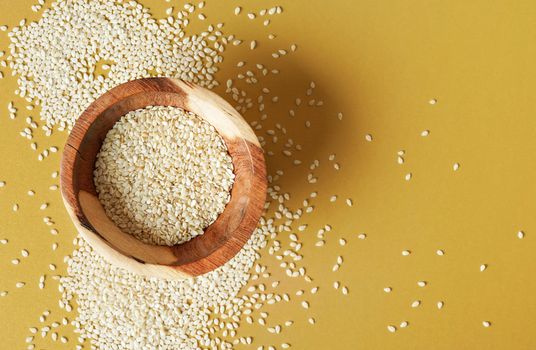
(421,284)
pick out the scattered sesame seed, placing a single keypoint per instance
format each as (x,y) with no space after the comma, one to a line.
(406,252)
(416,303)
(440,305)
(391,328)
(486,324)
(483,267)
(387,289)
(368,137)
(440,252)
(520,234)
(404,324)
(432,101)
(456,166)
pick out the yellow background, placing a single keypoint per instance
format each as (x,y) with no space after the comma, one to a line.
(378,62)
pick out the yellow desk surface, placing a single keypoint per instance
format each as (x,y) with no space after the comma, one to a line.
(379,63)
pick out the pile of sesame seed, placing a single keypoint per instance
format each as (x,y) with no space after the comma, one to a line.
(108,43)
(122,310)
(163,175)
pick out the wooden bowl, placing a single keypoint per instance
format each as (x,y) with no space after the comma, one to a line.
(221,240)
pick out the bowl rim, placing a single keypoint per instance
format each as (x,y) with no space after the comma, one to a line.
(221,240)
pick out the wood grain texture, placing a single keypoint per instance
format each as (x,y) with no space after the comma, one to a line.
(221,240)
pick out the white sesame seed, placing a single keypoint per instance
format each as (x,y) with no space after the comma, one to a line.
(440,305)
(456,166)
(483,267)
(391,328)
(421,284)
(408,176)
(237,10)
(520,234)
(404,324)
(406,252)
(368,137)
(416,303)
(387,289)
(486,324)
(432,101)
(425,133)
(440,252)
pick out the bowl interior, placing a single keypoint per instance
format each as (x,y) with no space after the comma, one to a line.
(223,238)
